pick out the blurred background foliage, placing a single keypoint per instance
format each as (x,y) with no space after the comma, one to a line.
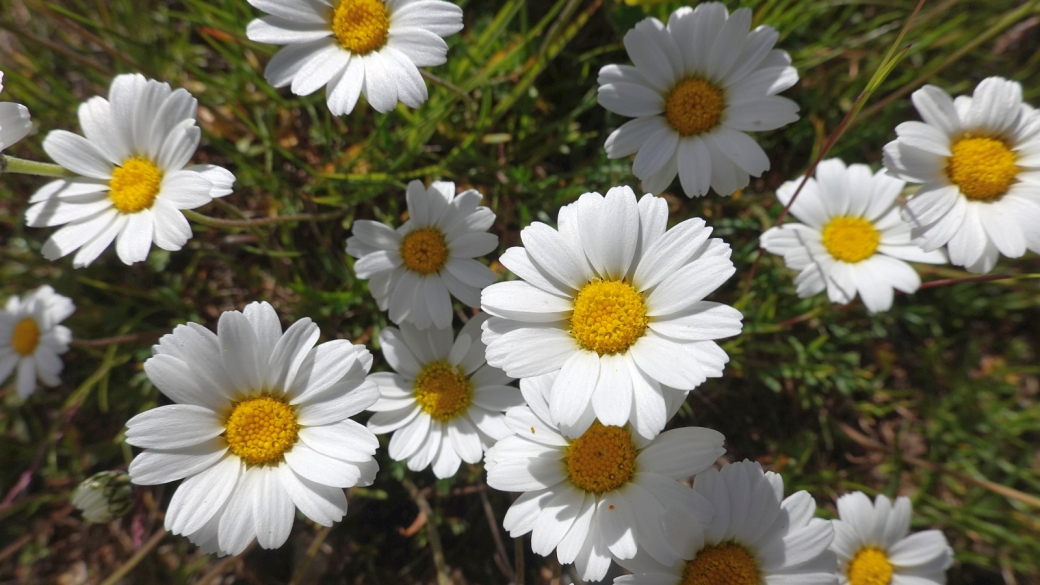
(937,399)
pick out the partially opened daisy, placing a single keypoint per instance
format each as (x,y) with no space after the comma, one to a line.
(698,86)
(14,121)
(260,427)
(978,159)
(599,493)
(613,302)
(445,404)
(31,338)
(756,537)
(874,546)
(135,175)
(352,47)
(412,270)
(852,239)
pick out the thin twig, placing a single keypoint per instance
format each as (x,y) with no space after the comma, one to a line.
(502,559)
(996,488)
(129,338)
(451,87)
(221,568)
(431,531)
(312,551)
(983,278)
(244,223)
(132,562)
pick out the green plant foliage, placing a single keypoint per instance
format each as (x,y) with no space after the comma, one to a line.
(931,399)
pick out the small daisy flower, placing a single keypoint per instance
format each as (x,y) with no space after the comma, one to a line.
(259,428)
(978,161)
(756,537)
(873,546)
(596,494)
(104,497)
(445,404)
(614,303)
(852,239)
(134,176)
(412,270)
(32,339)
(698,85)
(14,121)
(355,46)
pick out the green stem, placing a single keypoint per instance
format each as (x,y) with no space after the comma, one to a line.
(10,164)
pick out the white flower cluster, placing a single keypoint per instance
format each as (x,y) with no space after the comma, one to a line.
(607,324)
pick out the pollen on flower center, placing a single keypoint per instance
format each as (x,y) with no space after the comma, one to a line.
(727,563)
(424,251)
(134,185)
(609,316)
(602,459)
(870,566)
(259,430)
(983,168)
(361,26)
(443,391)
(26,336)
(694,106)
(851,239)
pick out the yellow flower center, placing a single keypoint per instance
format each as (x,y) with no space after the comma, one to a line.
(602,459)
(134,185)
(609,316)
(443,391)
(727,563)
(851,239)
(424,251)
(694,106)
(983,168)
(361,26)
(870,566)
(259,430)
(26,336)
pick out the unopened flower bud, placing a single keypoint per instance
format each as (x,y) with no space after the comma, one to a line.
(104,496)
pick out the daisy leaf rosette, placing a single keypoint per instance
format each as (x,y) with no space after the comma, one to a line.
(696,87)
(600,494)
(852,239)
(31,338)
(15,122)
(874,546)
(443,403)
(756,536)
(977,159)
(354,47)
(134,175)
(259,428)
(613,302)
(414,271)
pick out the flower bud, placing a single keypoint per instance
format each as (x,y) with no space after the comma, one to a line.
(104,496)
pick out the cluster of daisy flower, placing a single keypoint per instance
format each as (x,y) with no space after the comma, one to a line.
(607,326)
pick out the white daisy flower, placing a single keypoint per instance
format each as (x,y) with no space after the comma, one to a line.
(14,121)
(978,159)
(597,493)
(757,537)
(445,404)
(613,302)
(260,428)
(852,239)
(698,85)
(134,179)
(873,548)
(356,46)
(412,270)
(32,339)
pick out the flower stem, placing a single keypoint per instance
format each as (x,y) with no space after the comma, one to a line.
(10,164)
